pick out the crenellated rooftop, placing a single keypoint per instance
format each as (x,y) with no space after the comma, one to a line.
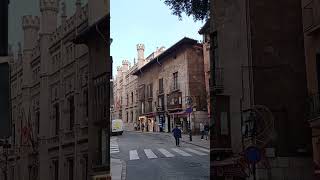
(30,21)
(71,23)
(52,5)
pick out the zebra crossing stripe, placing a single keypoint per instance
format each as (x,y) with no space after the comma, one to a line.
(165,152)
(180,152)
(150,154)
(195,151)
(133,155)
(203,149)
(114,147)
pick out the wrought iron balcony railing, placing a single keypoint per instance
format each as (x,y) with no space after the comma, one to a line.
(160,92)
(219,79)
(311,16)
(174,87)
(313,105)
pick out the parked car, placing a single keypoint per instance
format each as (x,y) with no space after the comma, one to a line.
(117,127)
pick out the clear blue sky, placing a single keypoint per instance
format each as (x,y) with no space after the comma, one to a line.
(149,22)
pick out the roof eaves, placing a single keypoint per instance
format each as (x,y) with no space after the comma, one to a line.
(184,40)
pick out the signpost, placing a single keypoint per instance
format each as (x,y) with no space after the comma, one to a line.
(253,156)
(189,111)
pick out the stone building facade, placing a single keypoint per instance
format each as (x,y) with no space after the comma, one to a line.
(50,101)
(311,17)
(205,32)
(126,88)
(170,85)
(259,45)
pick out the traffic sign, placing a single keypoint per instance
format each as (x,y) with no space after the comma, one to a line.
(189,110)
(252,154)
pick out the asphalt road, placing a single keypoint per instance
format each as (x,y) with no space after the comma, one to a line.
(151,156)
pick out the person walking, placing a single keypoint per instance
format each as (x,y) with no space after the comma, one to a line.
(142,127)
(206,131)
(201,130)
(135,126)
(177,135)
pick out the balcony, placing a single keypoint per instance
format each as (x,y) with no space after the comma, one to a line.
(174,87)
(83,132)
(68,136)
(174,100)
(311,17)
(160,92)
(53,141)
(219,84)
(150,96)
(160,108)
(141,93)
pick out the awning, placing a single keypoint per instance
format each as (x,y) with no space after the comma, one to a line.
(148,115)
(179,114)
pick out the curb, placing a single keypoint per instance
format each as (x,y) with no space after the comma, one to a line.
(169,135)
(195,144)
(124,170)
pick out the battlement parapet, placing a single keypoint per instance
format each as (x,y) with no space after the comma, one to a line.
(51,5)
(30,21)
(140,46)
(125,62)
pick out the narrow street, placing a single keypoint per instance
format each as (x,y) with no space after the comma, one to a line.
(154,156)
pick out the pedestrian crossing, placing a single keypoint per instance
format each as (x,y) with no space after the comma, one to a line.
(203,149)
(134,155)
(182,153)
(114,146)
(165,152)
(168,153)
(196,152)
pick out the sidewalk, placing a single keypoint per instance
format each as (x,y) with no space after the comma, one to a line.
(118,169)
(196,140)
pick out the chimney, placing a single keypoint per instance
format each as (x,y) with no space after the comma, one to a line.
(63,13)
(119,71)
(140,49)
(49,11)
(125,65)
(78,5)
(30,25)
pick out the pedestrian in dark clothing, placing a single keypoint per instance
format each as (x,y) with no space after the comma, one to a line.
(202,130)
(142,127)
(206,130)
(177,135)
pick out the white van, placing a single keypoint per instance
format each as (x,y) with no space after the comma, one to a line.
(117,126)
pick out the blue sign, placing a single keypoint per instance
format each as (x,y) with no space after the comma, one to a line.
(189,110)
(253,154)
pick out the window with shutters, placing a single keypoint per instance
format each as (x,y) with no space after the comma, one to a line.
(86,103)
(57,119)
(70,169)
(160,86)
(56,169)
(71,117)
(38,122)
